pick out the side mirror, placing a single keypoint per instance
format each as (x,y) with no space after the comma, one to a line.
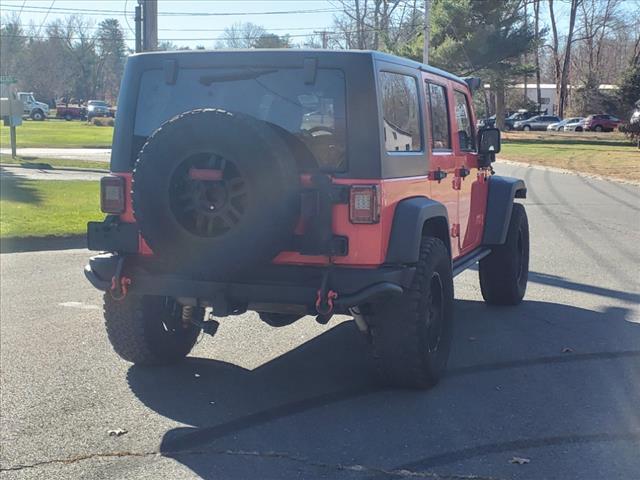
(489,141)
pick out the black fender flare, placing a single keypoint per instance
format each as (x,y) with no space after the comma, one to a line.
(406,231)
(502,192)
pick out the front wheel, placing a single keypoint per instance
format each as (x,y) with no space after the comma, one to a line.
(504,273)
(526,128)
(411,334)
(598,128)
(37,115)
(148,330)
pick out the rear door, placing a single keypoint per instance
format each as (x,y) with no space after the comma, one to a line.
(469,182)
(443,161)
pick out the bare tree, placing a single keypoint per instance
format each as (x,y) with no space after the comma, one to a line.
(536,26)
(561,72)
(241,35)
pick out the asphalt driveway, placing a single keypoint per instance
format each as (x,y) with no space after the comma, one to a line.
(553,383)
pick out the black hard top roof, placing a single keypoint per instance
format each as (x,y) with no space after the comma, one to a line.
(276,52)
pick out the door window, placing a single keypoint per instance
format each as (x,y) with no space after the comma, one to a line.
(401,113)
(463,120)
(439,116)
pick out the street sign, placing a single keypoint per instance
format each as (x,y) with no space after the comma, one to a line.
(7,80)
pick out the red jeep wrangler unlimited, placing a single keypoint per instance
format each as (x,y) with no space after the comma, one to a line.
(299,183)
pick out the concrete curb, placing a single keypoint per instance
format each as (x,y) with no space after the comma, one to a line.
(68,169)
(568,172)
(35,244)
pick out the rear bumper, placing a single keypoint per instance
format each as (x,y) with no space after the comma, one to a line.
(275,285)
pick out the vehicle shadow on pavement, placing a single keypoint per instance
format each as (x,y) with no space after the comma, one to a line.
(555,383)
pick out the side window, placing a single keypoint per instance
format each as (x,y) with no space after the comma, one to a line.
(401,113)
(463,120)
(440,137)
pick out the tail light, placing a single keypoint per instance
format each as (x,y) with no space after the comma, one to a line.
(112,195)
(364,204)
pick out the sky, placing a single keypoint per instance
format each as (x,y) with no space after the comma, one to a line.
(181,29)
(200,22)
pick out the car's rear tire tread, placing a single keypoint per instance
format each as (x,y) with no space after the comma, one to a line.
(502,282)
(133,331)
(397,329)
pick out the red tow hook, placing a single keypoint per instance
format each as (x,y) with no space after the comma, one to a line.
(119,283)
(119,289)
(324,306)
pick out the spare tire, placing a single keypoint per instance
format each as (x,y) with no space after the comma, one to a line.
(215,192)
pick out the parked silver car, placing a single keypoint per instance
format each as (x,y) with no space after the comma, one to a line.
(559,126)
(574,126)
(540,122)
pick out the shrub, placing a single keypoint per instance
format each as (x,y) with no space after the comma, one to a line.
(103,122)
(632,131)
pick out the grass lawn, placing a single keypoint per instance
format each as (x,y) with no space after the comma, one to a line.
(30,208)
(58,133)
(606,154)
(36,162)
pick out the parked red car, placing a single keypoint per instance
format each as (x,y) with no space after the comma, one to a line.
(71,112)
(601,123)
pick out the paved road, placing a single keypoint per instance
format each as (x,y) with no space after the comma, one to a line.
(48,174)
(88,154)
(555,380)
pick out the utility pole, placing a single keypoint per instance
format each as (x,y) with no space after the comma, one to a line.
(325,38)
(138,20)
(427,31)
(149,24)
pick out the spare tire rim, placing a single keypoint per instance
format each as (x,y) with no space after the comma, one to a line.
(208,195)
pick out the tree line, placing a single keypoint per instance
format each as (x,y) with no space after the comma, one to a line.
(67,59)
(575,44)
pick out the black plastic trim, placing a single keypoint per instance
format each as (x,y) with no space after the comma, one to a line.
(462,263)
(502,191)
(406,231)
(276,284)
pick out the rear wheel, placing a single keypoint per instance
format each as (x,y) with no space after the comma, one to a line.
(526,128)
(68,117)
(411,334)
(598,128)
(504,273)
(147,330)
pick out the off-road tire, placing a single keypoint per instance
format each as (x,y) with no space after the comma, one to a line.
(136,330)
(504,272)
(411,334)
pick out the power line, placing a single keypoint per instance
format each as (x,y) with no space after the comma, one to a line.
(279,29)
(92,11)
(45,17)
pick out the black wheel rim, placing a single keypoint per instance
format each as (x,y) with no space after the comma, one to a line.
(208,208)
(435,313)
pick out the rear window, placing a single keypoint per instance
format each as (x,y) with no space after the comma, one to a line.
(439,115)
(401,112)
(313,111)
